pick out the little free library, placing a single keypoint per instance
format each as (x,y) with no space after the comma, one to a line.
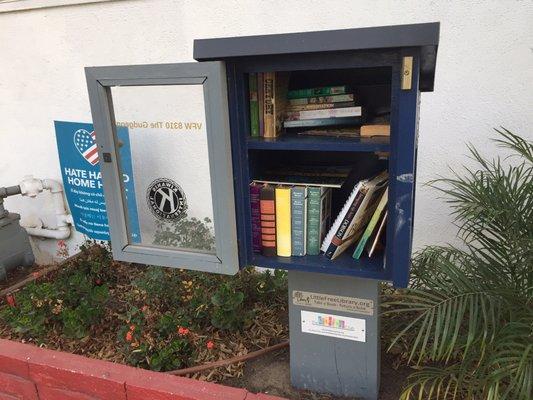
(303,158)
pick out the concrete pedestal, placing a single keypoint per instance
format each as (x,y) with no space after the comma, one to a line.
(334,334)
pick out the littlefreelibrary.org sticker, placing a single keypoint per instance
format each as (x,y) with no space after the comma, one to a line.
(333,302)
(334,325)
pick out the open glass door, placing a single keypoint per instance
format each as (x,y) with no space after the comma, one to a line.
(176,116)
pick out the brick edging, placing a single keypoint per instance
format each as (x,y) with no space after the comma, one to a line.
(28,372)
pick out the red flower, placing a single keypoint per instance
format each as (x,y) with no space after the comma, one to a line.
(183,331)
(210,345)
(11,300)
(98,282)
(144,308)
(132,327)
(129,336)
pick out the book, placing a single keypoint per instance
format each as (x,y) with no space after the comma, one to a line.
(261,103)
(318,215)
(298,220)
(326,113)
(322,99)
(275,97)
(283,221)
(372,191)
(303,123)
(255,195)
(380,209)
(375,242)
(319,106)
(254,105)
(307,175)
(318,91)
(345,216)
(332,132)
(267,204)
(375,130)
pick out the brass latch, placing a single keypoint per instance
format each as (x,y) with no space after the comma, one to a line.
(407,73)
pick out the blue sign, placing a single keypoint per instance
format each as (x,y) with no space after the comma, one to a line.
(82,180)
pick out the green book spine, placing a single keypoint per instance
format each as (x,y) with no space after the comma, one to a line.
(319,91)
(313,220)
(254,105)
(298,207)
(334,99)
(371,225)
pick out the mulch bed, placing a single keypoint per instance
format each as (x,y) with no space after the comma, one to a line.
(268,326)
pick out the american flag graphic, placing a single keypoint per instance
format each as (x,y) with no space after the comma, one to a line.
(86,144)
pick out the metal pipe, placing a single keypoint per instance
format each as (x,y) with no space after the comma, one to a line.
(31,187)
(59,233)
(9,191)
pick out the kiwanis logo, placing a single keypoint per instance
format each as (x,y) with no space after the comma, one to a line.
(166,199)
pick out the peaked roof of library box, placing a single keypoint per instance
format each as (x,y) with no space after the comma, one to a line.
(425,36)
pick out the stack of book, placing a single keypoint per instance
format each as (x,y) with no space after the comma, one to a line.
(294,219)
(358,219)
(329,106)
(273,107)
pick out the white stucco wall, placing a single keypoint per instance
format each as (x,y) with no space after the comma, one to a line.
(483,80)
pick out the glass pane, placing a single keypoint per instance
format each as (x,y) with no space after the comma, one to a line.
(170,165)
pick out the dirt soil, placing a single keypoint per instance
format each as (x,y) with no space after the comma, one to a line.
(270,374)
(19,274)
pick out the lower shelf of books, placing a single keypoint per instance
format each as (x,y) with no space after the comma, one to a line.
(372,267)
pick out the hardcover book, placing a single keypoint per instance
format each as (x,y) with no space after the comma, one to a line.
(275,98)
(267,206)
(298,220)
(283,221)
(319,106)
(325,113)
(322,99)
(318,91)
(261,103)
(254,105)
(376,217)
(332,132)
(303,123)
(318,215)
(255,195)
(306,175)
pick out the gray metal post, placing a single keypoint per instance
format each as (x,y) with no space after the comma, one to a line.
(334,334)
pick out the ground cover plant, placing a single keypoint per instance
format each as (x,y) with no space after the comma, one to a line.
(466,322)
(151,317)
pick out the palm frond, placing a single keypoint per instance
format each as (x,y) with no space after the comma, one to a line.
(515,143)
(469,310)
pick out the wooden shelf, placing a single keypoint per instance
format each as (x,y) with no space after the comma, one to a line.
(342,265)
(318,143)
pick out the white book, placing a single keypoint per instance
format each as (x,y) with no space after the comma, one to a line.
(363,214)
(340,217)
(325,113)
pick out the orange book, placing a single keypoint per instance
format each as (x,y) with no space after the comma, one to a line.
(267,207)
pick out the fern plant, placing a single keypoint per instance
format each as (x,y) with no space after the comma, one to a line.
(466,322)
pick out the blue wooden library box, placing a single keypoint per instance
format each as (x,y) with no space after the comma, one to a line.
(192,149)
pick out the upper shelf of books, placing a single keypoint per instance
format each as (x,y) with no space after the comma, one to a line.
(320,110)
